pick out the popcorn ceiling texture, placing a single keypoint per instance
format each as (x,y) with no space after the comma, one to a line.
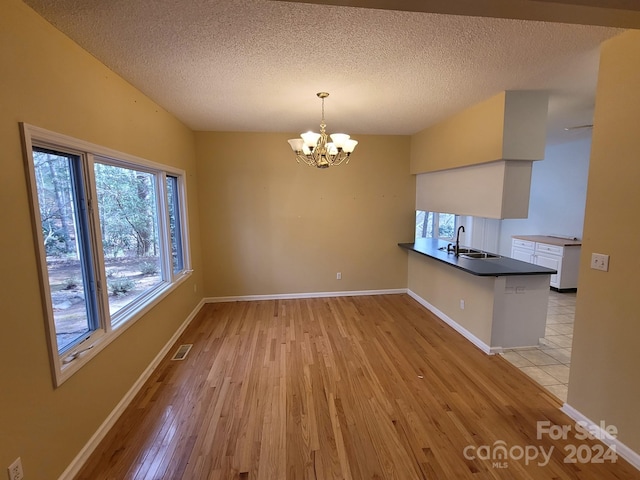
(256,65)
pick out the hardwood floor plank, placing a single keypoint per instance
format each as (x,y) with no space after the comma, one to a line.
(370,387)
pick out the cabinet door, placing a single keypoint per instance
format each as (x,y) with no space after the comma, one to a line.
(550,261)
(522,254)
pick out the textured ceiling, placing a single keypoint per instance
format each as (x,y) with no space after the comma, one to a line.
(256,65)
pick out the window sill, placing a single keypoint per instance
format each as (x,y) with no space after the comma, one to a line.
(89,349)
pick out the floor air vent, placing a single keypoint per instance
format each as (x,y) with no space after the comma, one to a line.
(182,352)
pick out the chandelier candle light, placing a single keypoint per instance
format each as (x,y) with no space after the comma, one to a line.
(312,148)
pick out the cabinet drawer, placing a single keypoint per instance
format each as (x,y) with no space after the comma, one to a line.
(523,244)
(555,249)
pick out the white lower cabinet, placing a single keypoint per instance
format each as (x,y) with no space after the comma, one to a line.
(564,259)
(522,254)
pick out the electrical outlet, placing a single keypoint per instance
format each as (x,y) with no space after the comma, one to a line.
(339,276)
(461,304)
(15,470)
(600,262)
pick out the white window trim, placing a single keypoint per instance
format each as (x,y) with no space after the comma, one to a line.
(436,221)
(65,365)
(436,224)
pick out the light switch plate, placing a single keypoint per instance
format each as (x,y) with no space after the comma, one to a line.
(600,261)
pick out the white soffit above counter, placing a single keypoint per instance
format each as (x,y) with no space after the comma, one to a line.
(490,190)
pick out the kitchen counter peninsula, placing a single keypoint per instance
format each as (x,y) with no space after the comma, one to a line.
(491,267)
(496,303)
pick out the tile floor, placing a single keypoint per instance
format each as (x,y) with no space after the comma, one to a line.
(548,364)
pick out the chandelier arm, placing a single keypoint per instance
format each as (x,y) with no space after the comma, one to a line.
(308,160)
(317,155)
(321,155)
(314,155)
(301,158)
(338,161)
(345,158)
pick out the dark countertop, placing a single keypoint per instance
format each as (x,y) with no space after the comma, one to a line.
(483,267)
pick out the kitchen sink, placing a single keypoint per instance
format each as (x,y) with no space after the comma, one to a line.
(477,254)
(472,253)
(461,251)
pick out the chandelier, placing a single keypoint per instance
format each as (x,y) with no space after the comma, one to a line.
(314,150)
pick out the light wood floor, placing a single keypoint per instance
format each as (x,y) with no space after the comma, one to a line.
(334,388)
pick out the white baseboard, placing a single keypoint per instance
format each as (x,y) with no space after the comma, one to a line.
(80,459)
(453,324)
(621,449)
(288,296)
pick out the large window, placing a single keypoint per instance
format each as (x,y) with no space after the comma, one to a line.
(129,217)
(435,224)
(64,225)
(111,236)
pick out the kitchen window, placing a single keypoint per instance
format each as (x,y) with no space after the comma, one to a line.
(111,236)
(435,224)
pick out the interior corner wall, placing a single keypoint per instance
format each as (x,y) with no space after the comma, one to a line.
(603,384)
(49,81)
(273,226)
(558,195)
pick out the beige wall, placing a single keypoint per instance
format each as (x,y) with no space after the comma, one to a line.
(472,136)
(605,383)
(48,81)
(444,286)
(509,126)
(272,226)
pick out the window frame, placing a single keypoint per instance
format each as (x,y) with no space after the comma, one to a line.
(179,190)
(65,363)
(435,224)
